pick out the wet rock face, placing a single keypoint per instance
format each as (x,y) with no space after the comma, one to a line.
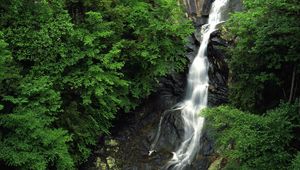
(198,10)
(134,132)
(218,71)
(128,147)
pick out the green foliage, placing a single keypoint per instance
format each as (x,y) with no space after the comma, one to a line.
(27,139)
(255,142)
(264,66)
(67,67)
(265,53)
(296,162)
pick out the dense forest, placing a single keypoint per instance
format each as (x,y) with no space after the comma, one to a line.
(259,128)
(68,68)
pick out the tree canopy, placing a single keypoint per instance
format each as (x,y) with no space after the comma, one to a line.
(264,60)
(259,127)
(67,67)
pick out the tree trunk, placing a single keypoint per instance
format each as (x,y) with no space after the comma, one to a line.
(292,85)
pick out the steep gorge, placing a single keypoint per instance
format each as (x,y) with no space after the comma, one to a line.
(131,139)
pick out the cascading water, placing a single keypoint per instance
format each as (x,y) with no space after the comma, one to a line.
(196,95)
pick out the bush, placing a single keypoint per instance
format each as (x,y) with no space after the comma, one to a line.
(296,162)
(255,142)
(67,68)
(264,56)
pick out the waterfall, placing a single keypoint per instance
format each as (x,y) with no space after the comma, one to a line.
(196,95)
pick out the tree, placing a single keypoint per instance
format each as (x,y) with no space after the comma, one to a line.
(256,131)
(253,141)
(264,60)
(68,67)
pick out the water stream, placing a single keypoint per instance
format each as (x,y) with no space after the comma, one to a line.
(196,95)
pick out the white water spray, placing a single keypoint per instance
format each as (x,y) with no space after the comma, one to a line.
(196,95)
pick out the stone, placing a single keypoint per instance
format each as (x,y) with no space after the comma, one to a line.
(198,36)
(199,21)
(206,7)
(193,7)
(216,164)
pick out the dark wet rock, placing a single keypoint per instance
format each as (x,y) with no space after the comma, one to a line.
(218,71)
(198,11)
(193,7)
(192,47)
(219,42)
(171,132)
(170,91)
(206,7)
(198,36)
(134,132)
(199,21)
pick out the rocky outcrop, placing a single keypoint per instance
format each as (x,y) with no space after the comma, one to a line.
(198,10)
(193,8)
(218,71)
(134,132)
